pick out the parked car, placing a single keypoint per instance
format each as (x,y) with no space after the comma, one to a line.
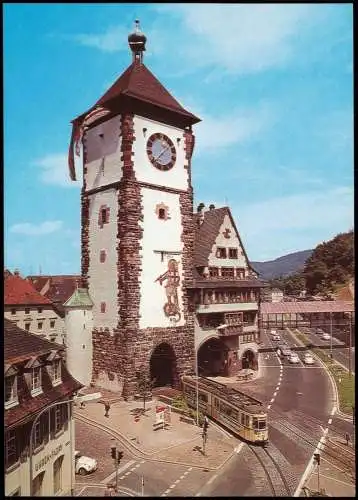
(283,350)
(293,358)
(84,465)
(308,359)
(275,335)
(325,336)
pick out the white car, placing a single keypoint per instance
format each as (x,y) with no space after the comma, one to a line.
(275,335)
(84,465)
(293,358)
(325,336)
(308,359)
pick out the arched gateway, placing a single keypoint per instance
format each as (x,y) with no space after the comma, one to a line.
(163,366)
(212,358)
(248,360)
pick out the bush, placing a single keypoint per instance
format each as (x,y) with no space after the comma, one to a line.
(180,403)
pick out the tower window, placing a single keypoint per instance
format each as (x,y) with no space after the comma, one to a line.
(161,213)
(103,216)
(102,256)
(103,307)
(13,311)
(39,325)
(52,323)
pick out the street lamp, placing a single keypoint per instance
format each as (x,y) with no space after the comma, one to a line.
(68,402)
(197,388)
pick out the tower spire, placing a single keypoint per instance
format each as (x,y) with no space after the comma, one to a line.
(137,41)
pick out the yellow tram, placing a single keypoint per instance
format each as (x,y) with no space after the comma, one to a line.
(242,414)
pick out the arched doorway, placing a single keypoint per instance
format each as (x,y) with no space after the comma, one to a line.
(248,360)
(212,358)
(163,371)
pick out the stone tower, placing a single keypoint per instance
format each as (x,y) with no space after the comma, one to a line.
(137,228)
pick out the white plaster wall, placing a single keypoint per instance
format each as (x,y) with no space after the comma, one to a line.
(103,276)
(177,177)
(46,316)
(158,235)
(79,325)
(20,476)
(232,242)
(104,164)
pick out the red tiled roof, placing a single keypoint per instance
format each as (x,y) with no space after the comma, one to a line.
(19,291)
(61,287)
(138,82)
(306,307)
(19,346)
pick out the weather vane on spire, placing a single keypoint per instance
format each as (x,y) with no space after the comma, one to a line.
(137,41)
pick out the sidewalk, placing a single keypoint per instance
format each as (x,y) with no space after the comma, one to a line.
(333,481)
(180,442)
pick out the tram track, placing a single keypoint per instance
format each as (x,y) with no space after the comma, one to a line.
(345,457)
(275,477)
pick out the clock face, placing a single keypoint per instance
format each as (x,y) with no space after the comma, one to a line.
(161,151)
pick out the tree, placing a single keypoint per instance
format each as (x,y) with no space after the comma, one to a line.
(144,384)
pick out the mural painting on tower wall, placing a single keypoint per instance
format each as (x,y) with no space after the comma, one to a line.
(172,281)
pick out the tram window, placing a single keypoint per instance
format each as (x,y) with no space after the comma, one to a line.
(203,397)
(243,418)
(255,423)
(216,403)
(262,424)
(247,420)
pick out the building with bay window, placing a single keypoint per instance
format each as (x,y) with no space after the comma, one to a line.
(225,294)
(38,403)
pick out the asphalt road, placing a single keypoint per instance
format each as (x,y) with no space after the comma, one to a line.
(159,479)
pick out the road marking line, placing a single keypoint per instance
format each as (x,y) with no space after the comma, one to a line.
(272,400)
(330,421)
(142,461)
(198,494)
(186,472)
(212,479)
(177,481)
(127,473)
(238,448)
(80,493)
(275,394)
(122,469)
(134,468)
(334,409)
(269,406)
(190,468)
(172,486)
(182,477)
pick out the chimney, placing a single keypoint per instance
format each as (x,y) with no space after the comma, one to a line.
(201,207)
(211,207)
(16,272)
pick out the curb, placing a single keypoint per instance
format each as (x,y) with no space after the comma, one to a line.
(147,455)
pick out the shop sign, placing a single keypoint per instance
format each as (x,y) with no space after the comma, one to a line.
(48,457)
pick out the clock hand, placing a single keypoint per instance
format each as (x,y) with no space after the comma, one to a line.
(160,154)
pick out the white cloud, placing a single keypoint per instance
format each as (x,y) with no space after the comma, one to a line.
(112,40)
(239,38)
(54,170)
(238,126)
(30,229)
(293,222)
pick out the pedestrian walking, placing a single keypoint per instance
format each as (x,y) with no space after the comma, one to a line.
(347,438)
(107,407)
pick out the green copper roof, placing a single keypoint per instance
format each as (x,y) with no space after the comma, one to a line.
(79,298)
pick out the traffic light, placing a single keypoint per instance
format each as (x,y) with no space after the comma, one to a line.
(119,456)
(317,458)
(113,452)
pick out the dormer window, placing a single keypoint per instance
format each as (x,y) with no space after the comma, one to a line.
(56,372)
(232,253)
(10,391)
(36,381)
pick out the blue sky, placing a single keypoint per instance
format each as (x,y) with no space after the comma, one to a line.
(273,85)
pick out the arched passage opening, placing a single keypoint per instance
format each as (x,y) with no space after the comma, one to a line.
(212,358)
(248,360)
(163,369)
